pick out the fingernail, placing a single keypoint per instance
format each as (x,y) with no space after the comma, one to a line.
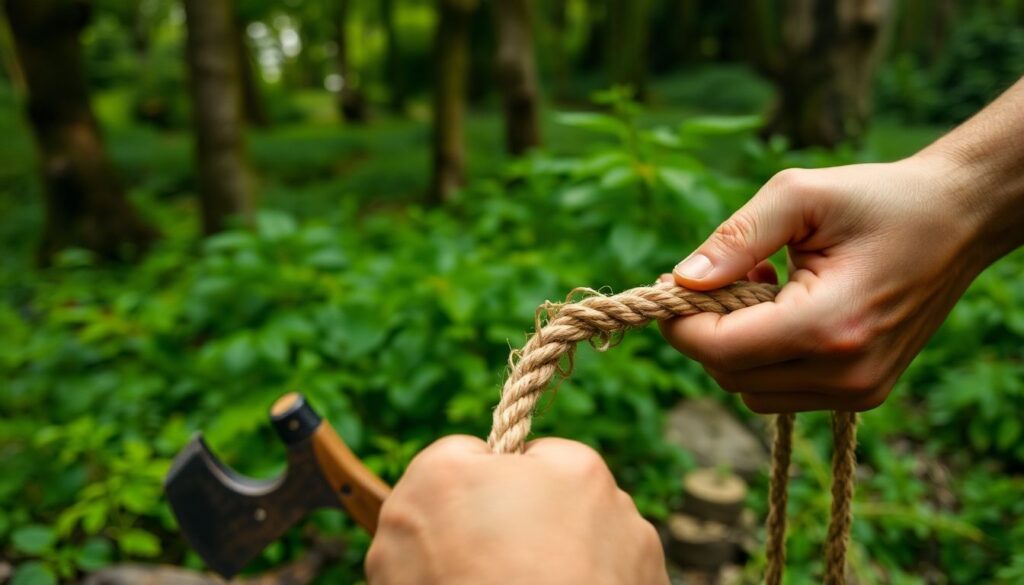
(695,267)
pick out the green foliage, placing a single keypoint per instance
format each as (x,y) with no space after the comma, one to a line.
(983,57)
(396,321)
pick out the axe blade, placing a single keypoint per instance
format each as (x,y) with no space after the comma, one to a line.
(229,518)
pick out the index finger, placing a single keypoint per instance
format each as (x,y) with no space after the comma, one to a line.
(760,335)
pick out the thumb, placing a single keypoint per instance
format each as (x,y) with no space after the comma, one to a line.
(767,222)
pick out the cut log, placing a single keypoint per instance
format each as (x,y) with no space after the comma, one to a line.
(713,494)
(708,430)
(698,544)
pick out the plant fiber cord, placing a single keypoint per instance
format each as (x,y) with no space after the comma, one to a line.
(597,318)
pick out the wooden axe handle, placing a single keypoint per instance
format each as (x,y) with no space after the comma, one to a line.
(360,491)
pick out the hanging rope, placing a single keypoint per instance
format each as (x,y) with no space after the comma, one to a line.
(597,318)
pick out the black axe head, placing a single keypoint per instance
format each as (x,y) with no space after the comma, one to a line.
(229,518)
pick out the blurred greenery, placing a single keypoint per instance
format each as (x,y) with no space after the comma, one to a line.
(396,319)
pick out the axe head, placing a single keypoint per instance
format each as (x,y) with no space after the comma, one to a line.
(229,518)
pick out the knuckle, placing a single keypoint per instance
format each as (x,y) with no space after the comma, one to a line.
(870,393)
(649,535)
(374,561)
(393,518)
(852,338)
(586,463)
(862,380)
(736,233)
(759,404)
(726,381)
(447,453)
(792,179)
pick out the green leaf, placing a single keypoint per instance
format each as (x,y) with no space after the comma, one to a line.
(94,554)
(274,225)
(578,196)
(631,245)
(619,177)
(34,539)
(33,573)
(719,125)
(593,121)
(139,543)
(94,516)
(240,354)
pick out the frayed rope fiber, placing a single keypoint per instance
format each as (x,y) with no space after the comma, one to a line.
(598,318)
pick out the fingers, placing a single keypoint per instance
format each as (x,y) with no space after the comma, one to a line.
(559,450)
(764,272)
(767,333)
(785,402)
(447,451)
(774,217)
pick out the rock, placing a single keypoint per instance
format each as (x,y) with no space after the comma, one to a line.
(705,428)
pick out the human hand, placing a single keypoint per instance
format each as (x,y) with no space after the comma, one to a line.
(553,515)
(879,254)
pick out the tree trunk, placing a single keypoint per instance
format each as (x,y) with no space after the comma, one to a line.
(829,50)
(559,16)
(85,201)
(392,58)
(627,44)
(351,102)
(452,61)
(252,94)
(214,80)
(517,75)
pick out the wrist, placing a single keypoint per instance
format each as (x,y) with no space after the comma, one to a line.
(983,195)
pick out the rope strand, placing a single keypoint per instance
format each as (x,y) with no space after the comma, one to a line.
(597,316)
(778,494)
(844,466)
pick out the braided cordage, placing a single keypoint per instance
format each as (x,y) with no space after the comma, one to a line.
(597,316)
(844,464)
(600,316)
(778,493)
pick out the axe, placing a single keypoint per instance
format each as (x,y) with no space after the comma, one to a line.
(229,518)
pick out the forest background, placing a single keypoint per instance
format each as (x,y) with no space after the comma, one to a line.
(207,203)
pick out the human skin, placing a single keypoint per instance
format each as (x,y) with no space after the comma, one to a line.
(462,515)
(878,253)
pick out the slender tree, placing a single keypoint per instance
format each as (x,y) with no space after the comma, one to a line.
(517,75)
(217,113)
(821,56)
(85,201)
(392,58)
(627,43)
(558,16)
(252,94)
(351,102)
(452,62)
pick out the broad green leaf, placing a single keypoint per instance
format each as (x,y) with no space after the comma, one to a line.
(94,554)
(631,245)
(34,539)
(138,543)
(717,125)
(34,573)
(593,121)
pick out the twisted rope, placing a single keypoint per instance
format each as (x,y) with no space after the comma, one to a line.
(775,524)
(600,317)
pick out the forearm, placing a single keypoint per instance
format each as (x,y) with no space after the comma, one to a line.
(982,162)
